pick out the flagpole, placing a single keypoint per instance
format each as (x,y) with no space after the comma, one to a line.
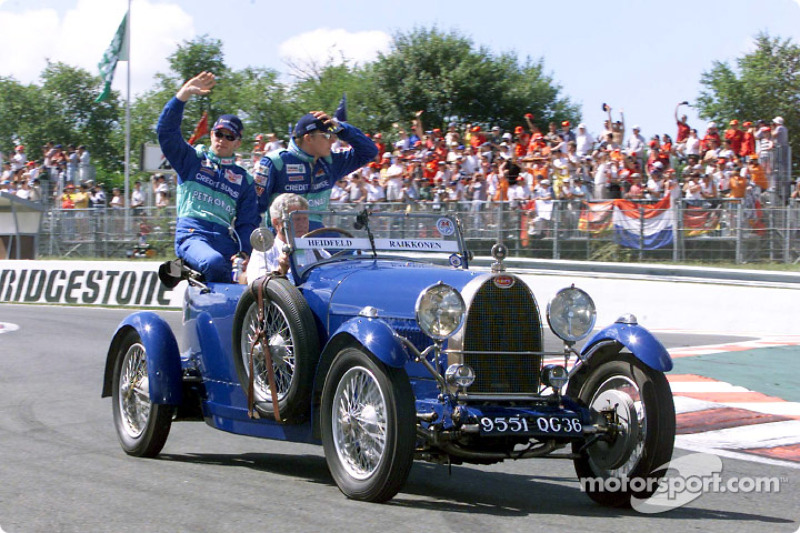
(127,196)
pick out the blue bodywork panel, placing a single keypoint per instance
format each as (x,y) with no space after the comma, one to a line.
(165,380)
(638,340)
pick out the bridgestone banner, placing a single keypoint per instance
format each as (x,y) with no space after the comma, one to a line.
(114,283)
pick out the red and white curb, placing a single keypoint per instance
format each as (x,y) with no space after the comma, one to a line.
(730,421)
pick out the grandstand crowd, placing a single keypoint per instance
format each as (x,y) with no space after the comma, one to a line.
(467,163)
(470,164)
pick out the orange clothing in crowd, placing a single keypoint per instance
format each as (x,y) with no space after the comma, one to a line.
(748,146)
(759,177)
(683,132)
(430,169)
(735,136)
(738,186)
(501,195)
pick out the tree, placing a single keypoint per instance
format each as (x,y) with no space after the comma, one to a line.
(445,75)
(765,84)
(73,117)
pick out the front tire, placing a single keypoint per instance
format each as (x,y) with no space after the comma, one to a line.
(368,426)
(142,426)
(641,400)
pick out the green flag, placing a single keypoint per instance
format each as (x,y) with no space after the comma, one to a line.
(117,51)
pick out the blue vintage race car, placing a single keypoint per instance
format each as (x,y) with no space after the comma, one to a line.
(387,348)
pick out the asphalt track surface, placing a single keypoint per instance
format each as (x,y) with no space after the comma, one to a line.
(61,467)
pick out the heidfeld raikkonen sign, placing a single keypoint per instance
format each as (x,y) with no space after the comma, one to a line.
(131,283)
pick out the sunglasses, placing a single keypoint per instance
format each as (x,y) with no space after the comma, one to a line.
(325,134)
(220,135)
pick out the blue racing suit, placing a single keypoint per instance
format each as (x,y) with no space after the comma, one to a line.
(217,203)
(293,170)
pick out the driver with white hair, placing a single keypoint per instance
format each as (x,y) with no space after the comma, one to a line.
(276,259)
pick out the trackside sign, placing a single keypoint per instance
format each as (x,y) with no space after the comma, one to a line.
(86,283)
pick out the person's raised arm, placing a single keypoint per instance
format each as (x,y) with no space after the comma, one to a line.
(200,85)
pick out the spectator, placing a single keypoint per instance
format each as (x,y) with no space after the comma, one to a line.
(602,176)
(137,197)
(734,136)
(636,189)
(795,195)
(117,202)
(272,143)
(375,192)
(98,196)
(24,191)
(338,192)
(711,136)
(567,135)
(356,189)
(755,172)
(394,183)
(72,164)
(584,142)
(763,136)
(259,148)
(748,146)
(161,190)
(692,144)
(780,135)
(683,125)
(19,159)
(66,197)
(84,165)
(81,197)
(636,144)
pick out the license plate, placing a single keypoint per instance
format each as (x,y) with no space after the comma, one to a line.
(530,425)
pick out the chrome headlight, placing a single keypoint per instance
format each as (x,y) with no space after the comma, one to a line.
(440,311)
(571,314)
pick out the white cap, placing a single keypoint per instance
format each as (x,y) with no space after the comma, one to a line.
(778,120)
(636,127)
(581,125)
(712,124)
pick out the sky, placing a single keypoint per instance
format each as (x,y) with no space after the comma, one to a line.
(641,57)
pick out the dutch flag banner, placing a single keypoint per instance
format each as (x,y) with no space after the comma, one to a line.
(643,226)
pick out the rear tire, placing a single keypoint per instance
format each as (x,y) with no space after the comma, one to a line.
(142,426)
(294,349)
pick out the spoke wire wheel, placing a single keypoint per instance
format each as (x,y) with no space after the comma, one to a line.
(142,426)
(359,423)
(281,348)
(134,387)
(293,342)
(368,425)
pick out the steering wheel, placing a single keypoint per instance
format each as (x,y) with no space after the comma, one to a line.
(319,231)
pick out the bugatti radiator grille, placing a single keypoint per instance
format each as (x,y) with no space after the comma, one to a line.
(502,321)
